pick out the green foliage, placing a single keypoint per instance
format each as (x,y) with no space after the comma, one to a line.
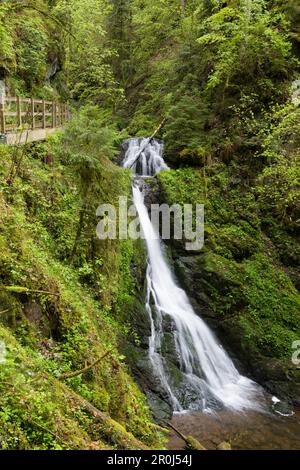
(221,74)
(184,130)
(279,191)
(242,40)
(87,140)
(27,31)
(93,132)
(247,276)
(214,74)
(7,55)
(74,320)
(184,186)
(31,51)
(88,66)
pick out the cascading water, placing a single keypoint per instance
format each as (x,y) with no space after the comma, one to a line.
(150,160)
(208,378)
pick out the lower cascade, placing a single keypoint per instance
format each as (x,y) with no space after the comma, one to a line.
(208,378)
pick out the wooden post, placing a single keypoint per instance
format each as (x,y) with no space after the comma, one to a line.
(53,115)
(19,111)
(57,115)
(32,113)
(2,118)
(61,114)
(44,115)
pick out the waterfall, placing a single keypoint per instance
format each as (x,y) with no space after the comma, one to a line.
(208,376)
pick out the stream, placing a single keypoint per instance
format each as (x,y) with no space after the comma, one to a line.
(210,399)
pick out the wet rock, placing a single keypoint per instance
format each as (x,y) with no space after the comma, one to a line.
(160,408)
(224,446)
(281,407)
(151,191)
(193,444)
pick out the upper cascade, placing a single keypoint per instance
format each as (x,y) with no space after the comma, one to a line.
(144,156)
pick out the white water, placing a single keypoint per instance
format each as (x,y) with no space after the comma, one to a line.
(205,366)
(150,160)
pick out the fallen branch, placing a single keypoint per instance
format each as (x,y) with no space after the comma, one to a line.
(4,311)
(25,290)
(191,442)
(159,428)
(157,129)
(147,143)
(84,369)
(111,429)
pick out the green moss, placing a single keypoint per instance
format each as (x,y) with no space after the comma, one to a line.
(242,270)
(73,321)
(184,186)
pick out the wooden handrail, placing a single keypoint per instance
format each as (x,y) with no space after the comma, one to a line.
(31,113)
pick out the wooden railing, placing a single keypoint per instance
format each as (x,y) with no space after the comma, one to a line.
(18,113)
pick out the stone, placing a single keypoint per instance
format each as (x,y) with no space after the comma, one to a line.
(224,446)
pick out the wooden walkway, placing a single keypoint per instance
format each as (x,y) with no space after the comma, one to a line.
(25,120)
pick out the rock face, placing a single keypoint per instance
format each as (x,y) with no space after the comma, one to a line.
(224,446)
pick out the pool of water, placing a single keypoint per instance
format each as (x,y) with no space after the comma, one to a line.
(244,431)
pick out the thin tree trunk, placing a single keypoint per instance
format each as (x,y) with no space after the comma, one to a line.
(191,442)
(183,4)
(149,140)
(84,369)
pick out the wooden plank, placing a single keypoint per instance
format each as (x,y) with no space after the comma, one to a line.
(10,113)
(28,135)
